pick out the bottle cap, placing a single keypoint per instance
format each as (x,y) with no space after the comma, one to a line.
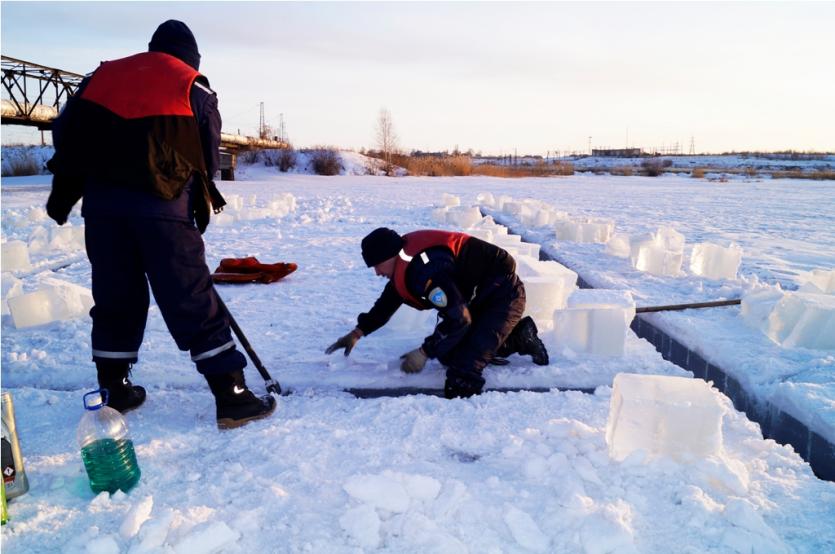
(95,400)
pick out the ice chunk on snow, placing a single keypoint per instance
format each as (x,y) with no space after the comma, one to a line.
(547,287)
(11,286)
(66,237)
(103,545)
(207,538)
(677,417)
(595,321)
(38,240)
(15,256)
(439,215)
(55,302)
(450,200)
(512,208)
(714,261)
(817,280)
(223,219)
(618,245)
(660,254)
(363,524)
(485,199)
(407,319)
(757,305)
(803,320)
(588,230)
(463,217)
(525,530)
(136,516)
(381,491)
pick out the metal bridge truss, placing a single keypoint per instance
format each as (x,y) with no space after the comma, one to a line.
(34,94)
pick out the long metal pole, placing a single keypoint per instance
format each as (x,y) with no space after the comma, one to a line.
(693,305)
(272,384)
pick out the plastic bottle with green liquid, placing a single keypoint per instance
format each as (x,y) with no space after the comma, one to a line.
(106,448)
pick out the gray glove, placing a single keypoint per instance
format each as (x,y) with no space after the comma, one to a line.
(347,342)
(413,361)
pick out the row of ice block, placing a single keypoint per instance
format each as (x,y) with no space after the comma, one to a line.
(15,254)
(239,208)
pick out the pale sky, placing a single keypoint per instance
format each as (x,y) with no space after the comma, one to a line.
(494,77)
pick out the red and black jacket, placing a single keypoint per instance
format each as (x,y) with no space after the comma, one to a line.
(474,262)
(132,125)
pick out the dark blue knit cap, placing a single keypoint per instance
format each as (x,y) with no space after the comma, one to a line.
(175,38)
(380,245)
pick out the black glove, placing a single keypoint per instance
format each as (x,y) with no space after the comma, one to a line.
(66,191)
(347,342)
(461,387)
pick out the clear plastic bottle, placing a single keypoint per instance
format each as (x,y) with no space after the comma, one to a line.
(106,449)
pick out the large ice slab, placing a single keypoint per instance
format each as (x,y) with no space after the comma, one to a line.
(15,256)
(817,280)
(802,319)
(450,200)
(715,261)
(595,321)
(676,417)
(57,301)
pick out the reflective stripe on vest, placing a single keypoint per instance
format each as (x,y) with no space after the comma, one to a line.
(143,85)
(414,244)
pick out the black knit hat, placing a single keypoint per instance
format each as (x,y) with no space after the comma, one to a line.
(175,38)
(380,245)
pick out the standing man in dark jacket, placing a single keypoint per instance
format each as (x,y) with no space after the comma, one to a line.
(139,142)
(474,286)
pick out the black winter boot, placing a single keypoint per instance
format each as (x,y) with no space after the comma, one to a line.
(236,404)
(123,395)
(528,342)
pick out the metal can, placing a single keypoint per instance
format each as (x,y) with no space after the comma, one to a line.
(14,476)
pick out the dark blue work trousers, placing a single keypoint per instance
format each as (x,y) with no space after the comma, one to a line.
(126,255)
(495,311)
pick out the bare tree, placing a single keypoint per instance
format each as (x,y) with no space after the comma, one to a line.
(386,138)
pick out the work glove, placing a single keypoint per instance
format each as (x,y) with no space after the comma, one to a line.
(413,361)
(347,342)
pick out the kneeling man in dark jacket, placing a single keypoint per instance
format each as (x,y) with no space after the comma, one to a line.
(474,286)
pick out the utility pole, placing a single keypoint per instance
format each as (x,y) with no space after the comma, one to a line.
(692,145)
(261,123)
(589,145)
(282,133)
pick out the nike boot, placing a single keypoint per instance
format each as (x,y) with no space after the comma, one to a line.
(123,395)
(236,404)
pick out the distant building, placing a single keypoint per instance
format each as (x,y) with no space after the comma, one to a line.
(617,152)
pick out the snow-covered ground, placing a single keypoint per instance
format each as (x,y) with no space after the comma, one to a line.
(511,472)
